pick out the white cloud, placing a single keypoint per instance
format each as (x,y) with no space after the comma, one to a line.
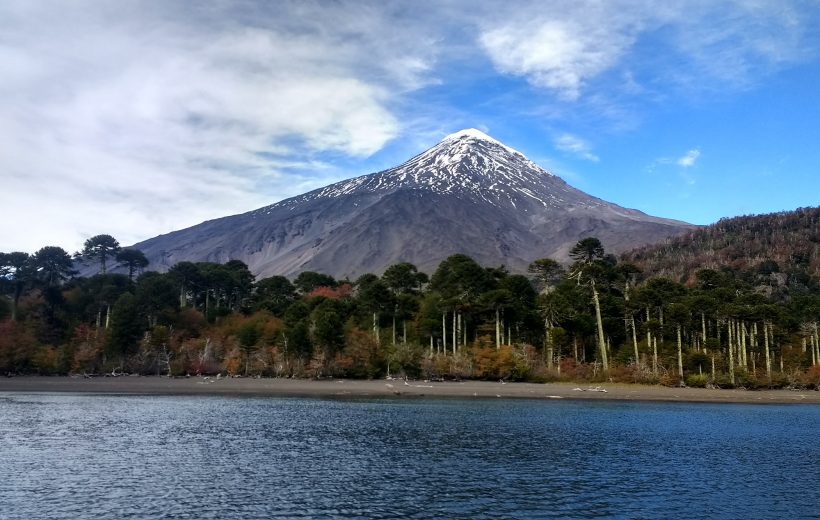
(557,54)
(575,145)
(688,160)
(566,47)
(138,118)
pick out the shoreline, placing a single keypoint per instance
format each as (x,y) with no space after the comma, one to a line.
(396,388)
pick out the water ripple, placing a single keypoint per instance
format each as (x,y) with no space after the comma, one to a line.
(67,456)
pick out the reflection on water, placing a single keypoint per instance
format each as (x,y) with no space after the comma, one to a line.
(65,456)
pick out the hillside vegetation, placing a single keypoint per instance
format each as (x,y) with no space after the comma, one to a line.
(747,315)
(786,244)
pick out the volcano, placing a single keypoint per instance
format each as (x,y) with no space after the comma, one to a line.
(468,194)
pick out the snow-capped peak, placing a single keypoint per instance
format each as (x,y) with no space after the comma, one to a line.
(468,163)
(469,132)
(474,133)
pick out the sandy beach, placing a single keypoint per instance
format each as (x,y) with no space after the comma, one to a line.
(341,388)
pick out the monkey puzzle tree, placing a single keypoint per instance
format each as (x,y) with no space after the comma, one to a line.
(52,265)
(157,298)
(132,259)
(588,255)
(404,282)
(248,336)
(496,300)
(126,327)
(16,272)
(459,280)
(547,272)
(101,247)
(274,294)
(374,297)
(404,278)
(188,277)
(310,280)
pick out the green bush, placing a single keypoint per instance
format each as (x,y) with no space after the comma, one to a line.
(696,381)
(723,381)
(749,381)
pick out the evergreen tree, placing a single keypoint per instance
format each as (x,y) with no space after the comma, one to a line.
(16,273)
(132,259)
(126,328)
(52,266)
(101,248)
(589,265)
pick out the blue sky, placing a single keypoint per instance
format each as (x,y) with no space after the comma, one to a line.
(139,118)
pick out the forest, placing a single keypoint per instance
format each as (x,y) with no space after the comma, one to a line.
(747,322)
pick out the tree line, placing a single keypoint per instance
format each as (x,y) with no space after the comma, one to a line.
(593,319)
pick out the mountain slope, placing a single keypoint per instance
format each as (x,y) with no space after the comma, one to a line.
(790,239)
(469,194)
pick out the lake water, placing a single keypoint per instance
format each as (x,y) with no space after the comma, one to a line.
(70,456)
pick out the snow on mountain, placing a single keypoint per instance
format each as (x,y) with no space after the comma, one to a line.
(468,194)
(468,163)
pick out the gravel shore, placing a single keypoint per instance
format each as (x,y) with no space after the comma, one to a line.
(396,388)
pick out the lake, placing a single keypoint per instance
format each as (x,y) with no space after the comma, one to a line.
(81,456)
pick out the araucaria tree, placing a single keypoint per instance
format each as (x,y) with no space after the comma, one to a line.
(132,259)
(16,272)
(589,266)
(101,248)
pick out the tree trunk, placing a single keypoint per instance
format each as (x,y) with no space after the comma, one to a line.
(766,349)
(182,299)
(455,338)
(680,354)
(404,331)
(107,316)
(703,329)
(548,340)
(816,340)
(394,329)
(731,356)
(649,342)
(744,353)
(635,341)
(497,328)
(600,325)
(444,330)
(459,331)
(655,355)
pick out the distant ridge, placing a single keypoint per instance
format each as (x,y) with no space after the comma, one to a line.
(468,194)
(791,239)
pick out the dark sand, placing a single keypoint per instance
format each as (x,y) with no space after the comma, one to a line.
(136,385)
